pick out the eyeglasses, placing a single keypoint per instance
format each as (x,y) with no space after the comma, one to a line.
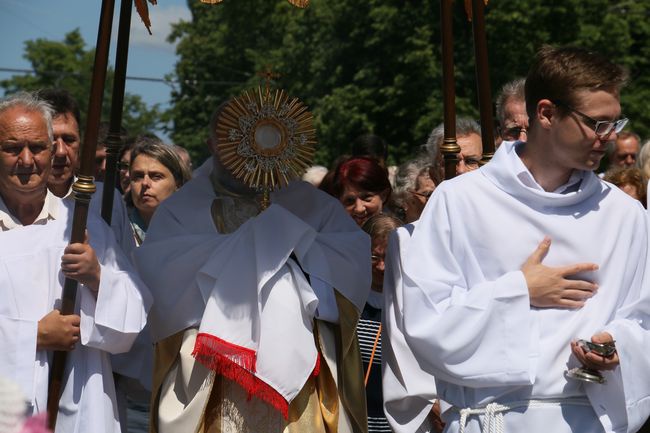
(426,195)
(602,128)
(376,259)
(513,133)
(123,165)
(470,163)
(624,156)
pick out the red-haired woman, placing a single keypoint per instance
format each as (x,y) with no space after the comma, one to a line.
(362,186)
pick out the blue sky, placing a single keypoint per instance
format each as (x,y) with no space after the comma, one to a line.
(149,56)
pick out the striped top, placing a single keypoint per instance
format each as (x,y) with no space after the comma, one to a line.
(367,329)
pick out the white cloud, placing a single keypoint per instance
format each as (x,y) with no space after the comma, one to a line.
(161,18)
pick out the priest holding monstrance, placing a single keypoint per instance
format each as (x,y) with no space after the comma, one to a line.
(258,282)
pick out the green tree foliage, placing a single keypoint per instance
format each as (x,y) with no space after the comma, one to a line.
(619,29)
(68,64)
(218,58)
(375,65)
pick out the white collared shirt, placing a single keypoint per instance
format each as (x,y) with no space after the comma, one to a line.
(48,212)
(526,177)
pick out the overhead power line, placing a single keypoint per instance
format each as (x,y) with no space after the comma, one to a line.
(128,77)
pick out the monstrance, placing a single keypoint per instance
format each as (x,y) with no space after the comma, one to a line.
(266,139)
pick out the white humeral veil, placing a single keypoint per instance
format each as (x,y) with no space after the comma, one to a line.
(246,290)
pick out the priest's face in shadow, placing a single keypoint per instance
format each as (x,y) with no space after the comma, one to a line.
(574,142)
(25,153)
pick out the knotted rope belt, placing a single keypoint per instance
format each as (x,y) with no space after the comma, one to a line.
(493,412)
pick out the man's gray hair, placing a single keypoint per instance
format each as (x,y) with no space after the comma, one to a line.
(30,102)
(513,90)
(464,127)
(406,178)
(408,172)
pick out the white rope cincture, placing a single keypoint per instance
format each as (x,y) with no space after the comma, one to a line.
(493,412)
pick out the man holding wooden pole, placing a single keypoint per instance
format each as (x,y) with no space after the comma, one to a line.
(35,257)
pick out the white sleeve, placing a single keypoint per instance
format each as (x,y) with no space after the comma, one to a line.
(408,391)
(113,320)
(462,328)
(623,402)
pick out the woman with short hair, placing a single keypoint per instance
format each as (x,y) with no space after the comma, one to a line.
(156,171)
(362,187)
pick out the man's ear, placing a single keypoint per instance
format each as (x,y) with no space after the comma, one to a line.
(546,113)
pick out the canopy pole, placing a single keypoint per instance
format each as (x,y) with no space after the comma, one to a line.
(83,189)
(483,80)
(449,148)
(115,140)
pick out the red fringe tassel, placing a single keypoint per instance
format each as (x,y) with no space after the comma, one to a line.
(237,363)
(208,346)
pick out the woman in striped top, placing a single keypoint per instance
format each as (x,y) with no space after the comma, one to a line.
(369,326)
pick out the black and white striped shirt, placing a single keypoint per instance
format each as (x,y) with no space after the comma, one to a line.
(367,330)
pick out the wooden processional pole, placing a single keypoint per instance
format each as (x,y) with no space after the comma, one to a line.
(83,189)
(449,147)
(115,140)
(483,79)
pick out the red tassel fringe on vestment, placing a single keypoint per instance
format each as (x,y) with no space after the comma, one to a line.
(237,363)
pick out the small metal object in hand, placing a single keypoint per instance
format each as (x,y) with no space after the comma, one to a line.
(588,374)
(604,349)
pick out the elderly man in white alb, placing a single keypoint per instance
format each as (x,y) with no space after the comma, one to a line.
(512,263)
(35,258)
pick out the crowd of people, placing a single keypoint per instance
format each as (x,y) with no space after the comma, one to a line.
(364,298)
